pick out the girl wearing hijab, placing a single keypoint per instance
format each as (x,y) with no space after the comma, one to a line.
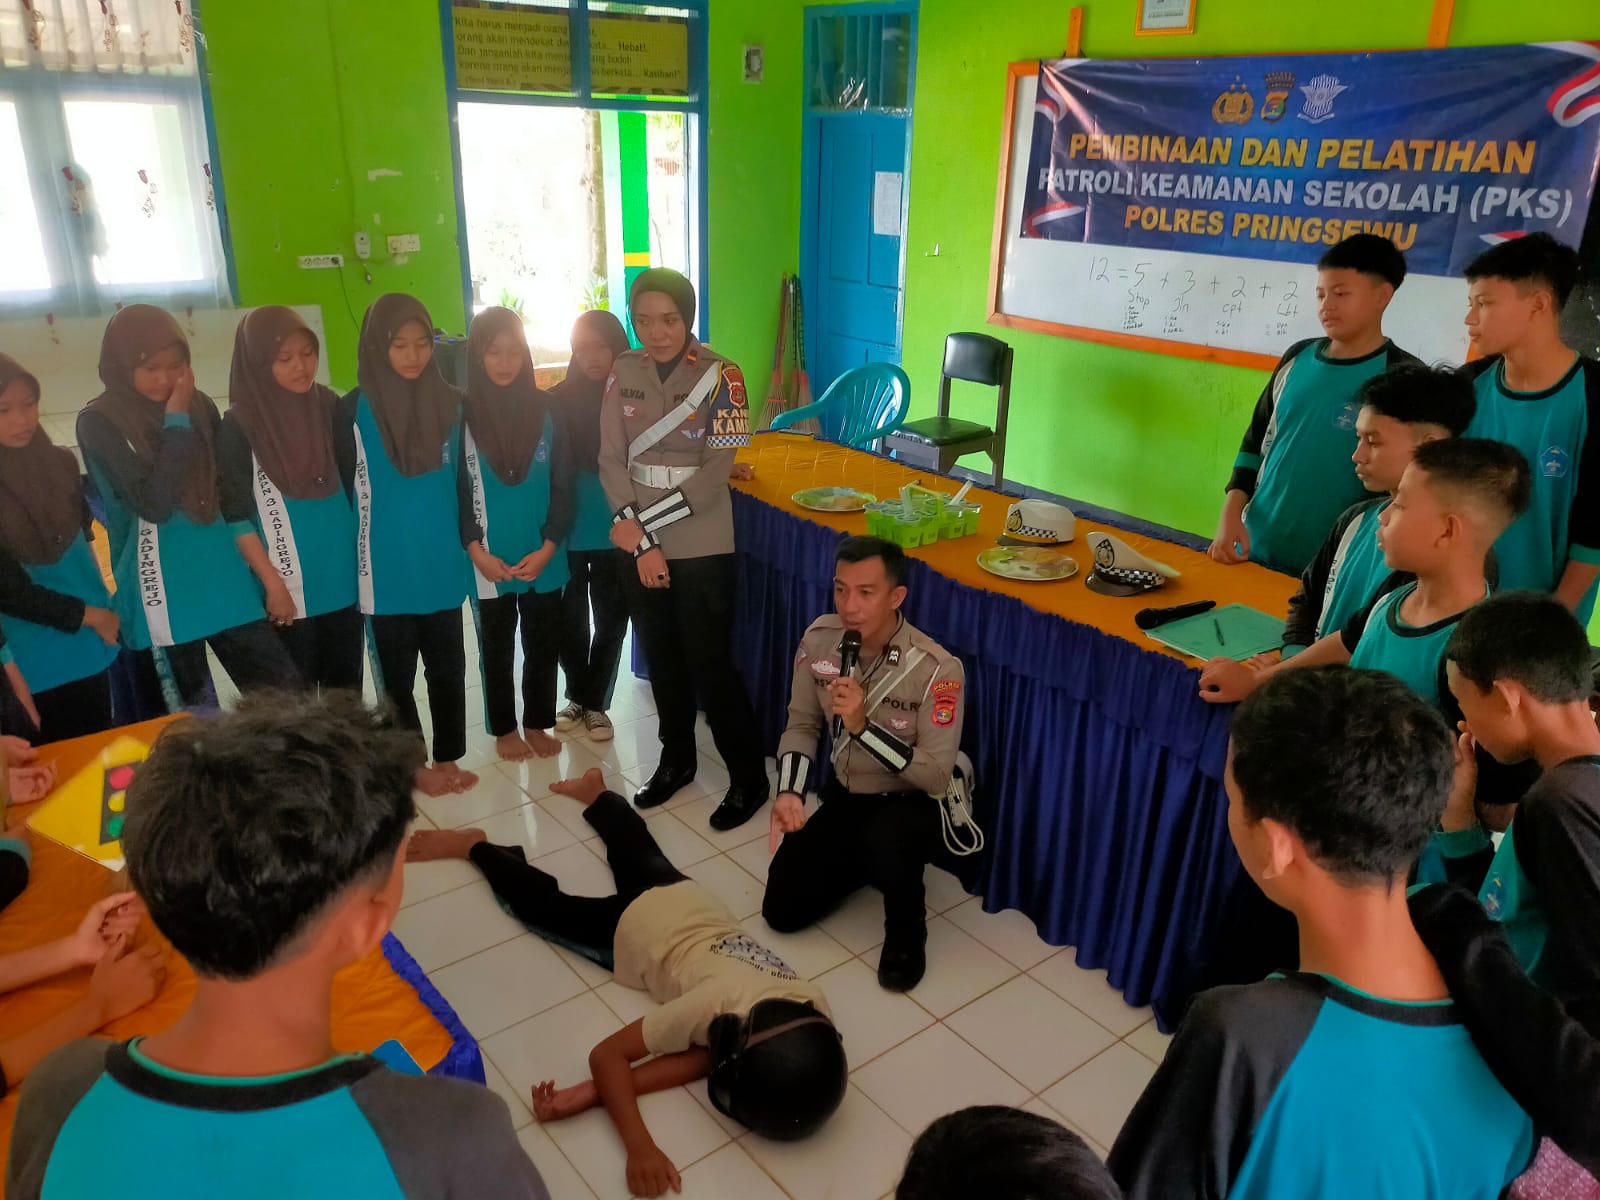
(596,566)
(55,613)
(516,501)
(183,574)
(674,414)
(288,469)
(410,573)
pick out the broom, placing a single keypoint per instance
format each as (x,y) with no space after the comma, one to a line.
(802,381)
(777,398)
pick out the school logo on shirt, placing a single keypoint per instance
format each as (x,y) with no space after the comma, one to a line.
(1345,418)
(542,454)
(743,948)
(1553,462)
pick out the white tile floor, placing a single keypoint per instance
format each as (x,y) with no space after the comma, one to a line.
(1001,1017)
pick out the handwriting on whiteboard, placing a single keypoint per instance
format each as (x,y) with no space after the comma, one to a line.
(1153,298)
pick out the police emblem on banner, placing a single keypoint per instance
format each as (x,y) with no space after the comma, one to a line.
(1276,104)
(1320,94)
(1235,106)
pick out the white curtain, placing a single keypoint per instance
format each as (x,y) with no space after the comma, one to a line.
(110,36)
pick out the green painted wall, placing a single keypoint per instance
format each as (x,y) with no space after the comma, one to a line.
(1143,433)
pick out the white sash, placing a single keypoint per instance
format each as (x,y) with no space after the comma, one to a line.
(279,537)
(677,416)
(363,527)
(480,508)
(882,688)
(152,584)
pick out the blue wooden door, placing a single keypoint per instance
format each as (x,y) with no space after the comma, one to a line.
(854,291)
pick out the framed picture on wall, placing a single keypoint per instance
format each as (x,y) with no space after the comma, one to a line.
(1165,16)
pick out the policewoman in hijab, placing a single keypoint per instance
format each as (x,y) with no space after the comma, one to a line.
(183,573)
(516,503)
(288,469)
(410,569)
(673,416)
(591,650)
(55,613)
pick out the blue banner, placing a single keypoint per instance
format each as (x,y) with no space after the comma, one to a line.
(1445,152)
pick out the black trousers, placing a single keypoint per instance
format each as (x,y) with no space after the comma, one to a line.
(75,709)
(591,661)
(851,842)
(326,649)
(251,654)
(584,924)
(540,615)
(397,642)
(687,634)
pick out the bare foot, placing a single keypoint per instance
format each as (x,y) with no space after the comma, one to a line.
(512,748)
(553,1104)
(459,780)
(434,781)
(585,790)
(429,845)
(541,743)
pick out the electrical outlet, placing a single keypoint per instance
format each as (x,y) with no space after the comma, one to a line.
(404,243)
(363,246)
(317,262)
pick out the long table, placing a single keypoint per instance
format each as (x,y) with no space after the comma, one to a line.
(385,996)
(1099,767)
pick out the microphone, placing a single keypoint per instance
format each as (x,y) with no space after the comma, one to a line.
(849,655)
(1151,618)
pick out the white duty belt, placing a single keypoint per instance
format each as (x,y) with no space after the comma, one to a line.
(667,478)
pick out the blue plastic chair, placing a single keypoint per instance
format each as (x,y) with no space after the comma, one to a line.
(861,406)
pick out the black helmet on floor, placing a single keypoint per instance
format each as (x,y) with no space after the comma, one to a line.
(780,1070)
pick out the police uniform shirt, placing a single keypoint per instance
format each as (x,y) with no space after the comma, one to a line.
(693,519)
(913,732)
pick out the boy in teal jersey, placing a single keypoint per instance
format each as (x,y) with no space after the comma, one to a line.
(1544,399)
(1292,476)
(1457,496)
(266,844)
(1357,1075)
(1518,665)
(1400,410)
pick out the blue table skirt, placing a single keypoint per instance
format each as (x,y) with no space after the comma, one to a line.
(1099,768)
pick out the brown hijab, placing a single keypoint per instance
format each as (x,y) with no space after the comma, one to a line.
(41,496)
(414,416)
(506,421)
(580,396)
(133,336)
(290,433)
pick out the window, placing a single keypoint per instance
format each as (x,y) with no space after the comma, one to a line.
(106,187)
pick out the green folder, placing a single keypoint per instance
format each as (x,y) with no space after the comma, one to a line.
(1244,631)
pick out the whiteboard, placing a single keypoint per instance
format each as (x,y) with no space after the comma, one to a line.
(1244,311)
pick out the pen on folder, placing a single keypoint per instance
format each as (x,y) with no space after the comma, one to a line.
(1217,625)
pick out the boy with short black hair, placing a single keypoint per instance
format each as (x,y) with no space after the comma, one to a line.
(1292,477)
(1543,398)
(1003,1153)
(1400,410)
(1307,1084)
(1455,498)
(266,845)
(1519,668)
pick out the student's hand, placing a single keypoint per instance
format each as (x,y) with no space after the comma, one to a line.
(18,753)
(31,783)
(182,391)
(741,471)
(125,980)
(653,569)
(280,604)
(557,1104)
(532,565)
(1462,811)
(626,535)
(651,1173)
(849,703)
(114,917)
(1232,543)
(1223,681)
(104,622)
(788,816)
(490,567)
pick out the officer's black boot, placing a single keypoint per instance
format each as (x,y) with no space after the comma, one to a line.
(739,805)
(904,958)
(666,783)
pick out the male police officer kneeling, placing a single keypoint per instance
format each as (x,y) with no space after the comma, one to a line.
(901,727)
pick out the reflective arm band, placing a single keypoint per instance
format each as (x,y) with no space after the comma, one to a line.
(794,771)
(626,513)
(646,544)
(670,508)
(885,747)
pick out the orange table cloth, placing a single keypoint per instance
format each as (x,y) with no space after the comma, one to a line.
(372,1003)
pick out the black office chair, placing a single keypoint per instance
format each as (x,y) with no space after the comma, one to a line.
(937,442)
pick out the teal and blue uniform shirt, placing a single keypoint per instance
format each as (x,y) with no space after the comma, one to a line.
(1412,653)
(515,520)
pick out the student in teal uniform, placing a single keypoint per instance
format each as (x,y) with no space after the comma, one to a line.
(183,573)
(410,569)
(516,503)
(54,609)
(1400,410)
(598,583)
(288,468)
(1544,399)
(1519,668)
(1292,476)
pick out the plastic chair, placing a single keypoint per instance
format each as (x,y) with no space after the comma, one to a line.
(861,406)
(937,442)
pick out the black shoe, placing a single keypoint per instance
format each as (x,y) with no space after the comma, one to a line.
(738,806)
(903,961)
(666,783)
